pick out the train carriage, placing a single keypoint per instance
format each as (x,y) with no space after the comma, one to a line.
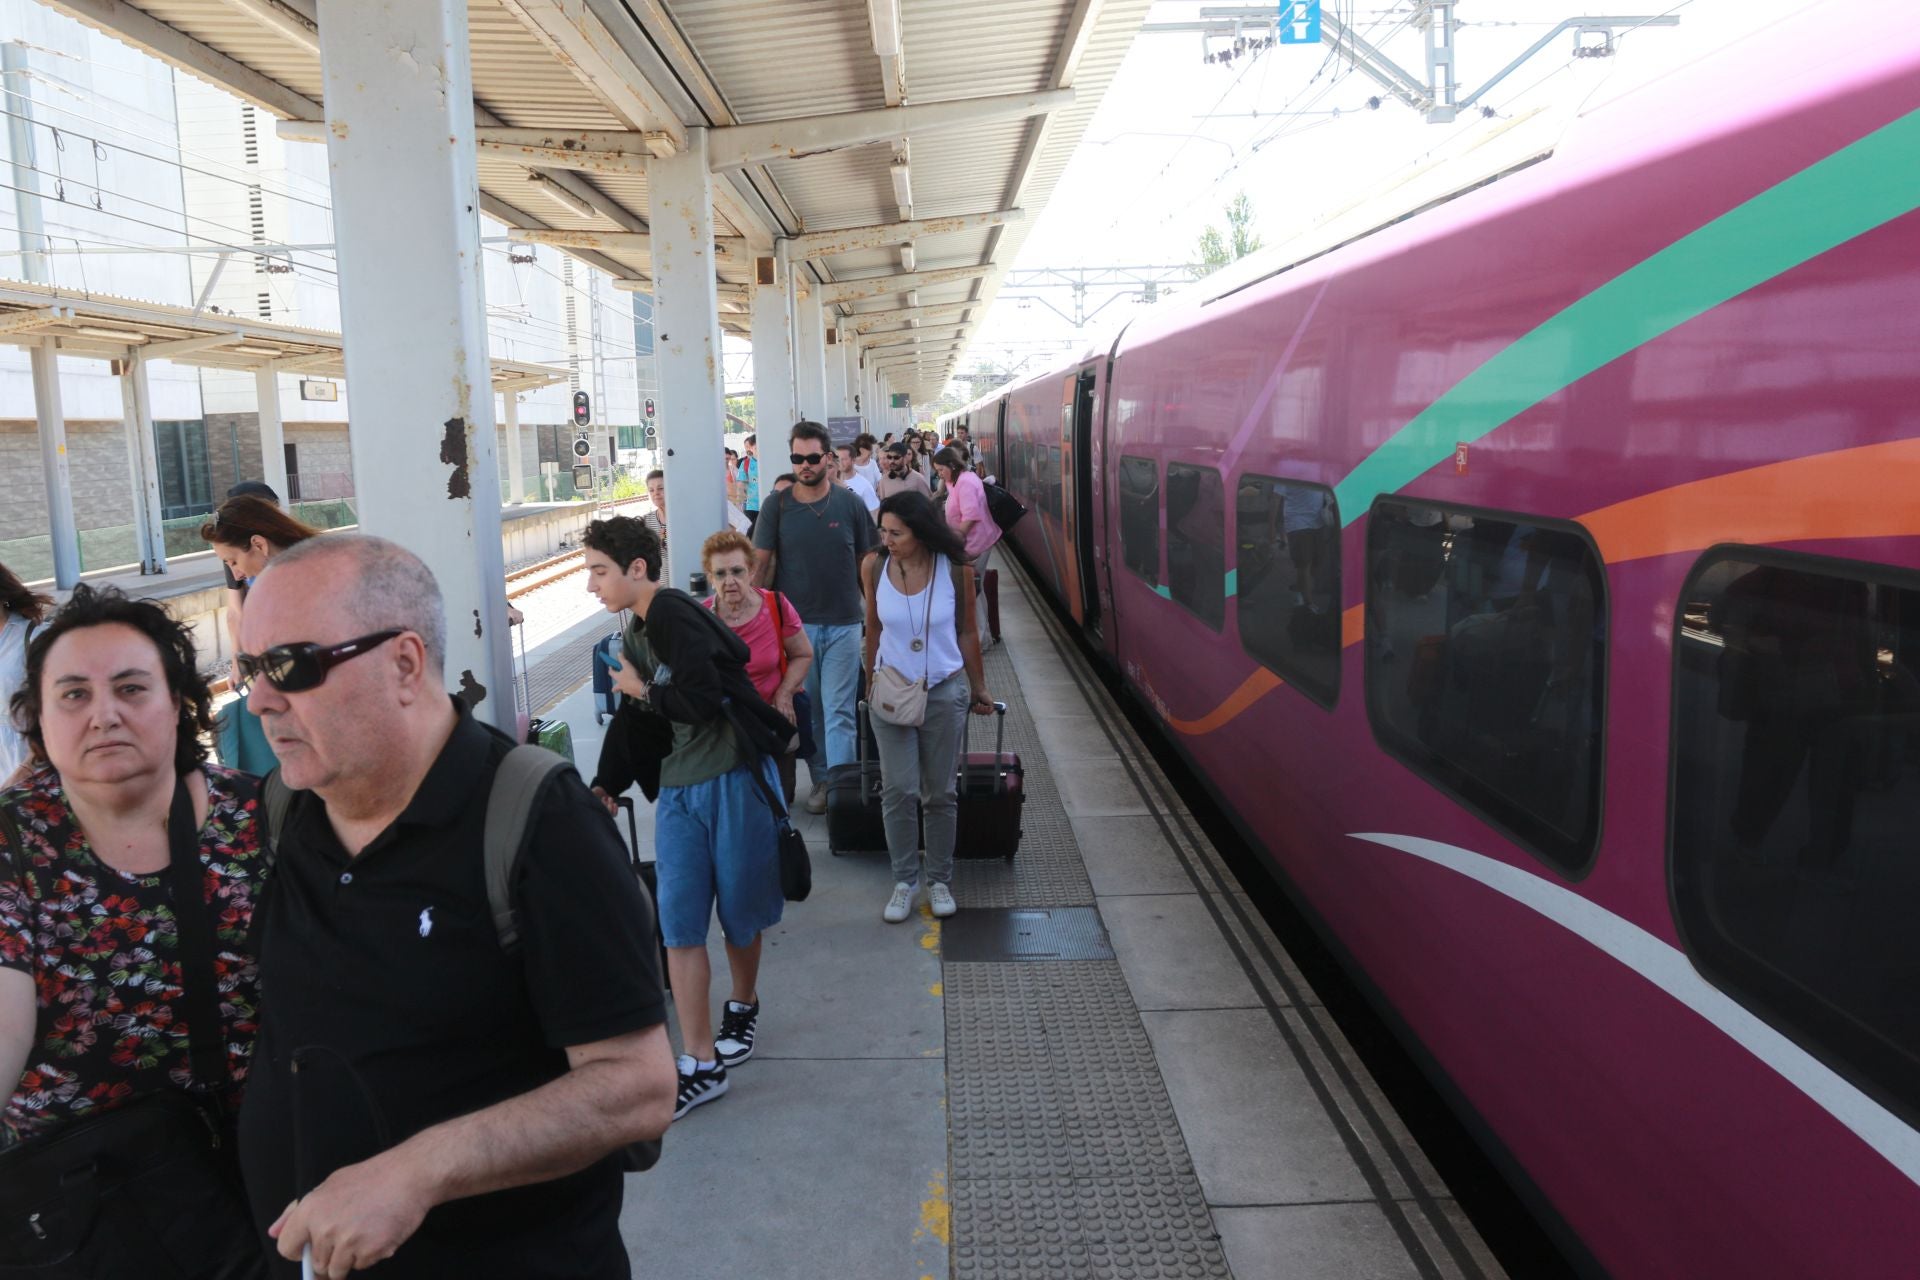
(1534,581)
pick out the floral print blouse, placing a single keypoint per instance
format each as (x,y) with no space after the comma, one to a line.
(102,948)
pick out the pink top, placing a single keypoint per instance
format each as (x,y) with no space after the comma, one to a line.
(968,501)
(763,664)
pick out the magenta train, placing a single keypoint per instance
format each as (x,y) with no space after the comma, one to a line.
(1533,581)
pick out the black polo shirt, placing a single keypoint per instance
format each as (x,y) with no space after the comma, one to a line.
(384,977)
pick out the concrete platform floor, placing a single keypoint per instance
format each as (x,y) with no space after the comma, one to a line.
(1185,1108)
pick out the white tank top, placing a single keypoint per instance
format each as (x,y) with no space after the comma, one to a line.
(904,619)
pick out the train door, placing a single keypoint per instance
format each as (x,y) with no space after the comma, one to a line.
(1081,534)
(1060,492)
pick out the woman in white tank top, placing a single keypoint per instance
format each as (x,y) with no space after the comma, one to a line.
(920,622)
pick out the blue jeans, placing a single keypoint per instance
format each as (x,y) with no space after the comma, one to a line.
(833,682)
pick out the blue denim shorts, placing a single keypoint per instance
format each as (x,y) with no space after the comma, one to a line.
(717,846)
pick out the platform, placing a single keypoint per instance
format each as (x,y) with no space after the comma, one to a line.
(1104,1066)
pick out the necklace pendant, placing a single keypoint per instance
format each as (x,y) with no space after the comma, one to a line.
(918,645)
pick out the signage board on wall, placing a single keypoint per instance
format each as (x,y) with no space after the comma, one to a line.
(316,389)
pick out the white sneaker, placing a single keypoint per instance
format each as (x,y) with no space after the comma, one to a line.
(900,905)
(817,798)
(940,898)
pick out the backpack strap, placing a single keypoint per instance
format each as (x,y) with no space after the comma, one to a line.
(276,797)
(517,786)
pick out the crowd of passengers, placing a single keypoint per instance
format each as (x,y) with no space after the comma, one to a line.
(441,1075)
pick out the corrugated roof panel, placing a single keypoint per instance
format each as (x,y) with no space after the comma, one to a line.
(794,58)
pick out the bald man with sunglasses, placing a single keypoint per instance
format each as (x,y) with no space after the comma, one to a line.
(424,1098)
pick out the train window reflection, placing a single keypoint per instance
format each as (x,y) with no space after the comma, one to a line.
(1287,576)
(1197,541)
(1140,517)
(1486,666)
(1796,793)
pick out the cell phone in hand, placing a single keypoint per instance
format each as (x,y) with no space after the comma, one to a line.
(606,659)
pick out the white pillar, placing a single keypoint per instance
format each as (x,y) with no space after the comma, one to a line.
(516,480)
(143,465)
(773,410)
(399,102)
(810,361)
(856,403)
(52,420)
(273,434)
(686,323)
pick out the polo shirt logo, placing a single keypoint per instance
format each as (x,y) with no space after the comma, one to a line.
(426,922)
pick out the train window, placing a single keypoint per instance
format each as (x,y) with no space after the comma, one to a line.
(1486,666)
(1796,793)
(1287,576)
(1140,517)
(1197,541)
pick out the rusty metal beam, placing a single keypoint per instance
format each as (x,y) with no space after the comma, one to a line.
(861,322)
(881,286)
(731,249)
(827,244)
(749,144)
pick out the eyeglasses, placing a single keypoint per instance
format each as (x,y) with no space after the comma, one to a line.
(737,571)
(295,668)
(805,459)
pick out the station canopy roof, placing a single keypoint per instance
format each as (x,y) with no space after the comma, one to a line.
(572,96)
(103,327)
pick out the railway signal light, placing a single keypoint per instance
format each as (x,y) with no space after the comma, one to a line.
(582,409)
(649,406)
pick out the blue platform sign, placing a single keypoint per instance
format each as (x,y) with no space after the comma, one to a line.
(1299,21)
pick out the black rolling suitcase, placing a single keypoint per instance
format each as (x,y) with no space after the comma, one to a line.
(854,820)
(992,788)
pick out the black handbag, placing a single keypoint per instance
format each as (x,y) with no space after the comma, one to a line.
(796,866)
(151,1188)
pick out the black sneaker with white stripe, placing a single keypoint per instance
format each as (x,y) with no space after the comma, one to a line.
(734,1044)
(698,1084)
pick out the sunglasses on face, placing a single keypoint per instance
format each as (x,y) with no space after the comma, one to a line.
(295,668)
(805,459)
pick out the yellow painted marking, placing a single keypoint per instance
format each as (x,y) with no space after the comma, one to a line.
(937,990)
(936,1214)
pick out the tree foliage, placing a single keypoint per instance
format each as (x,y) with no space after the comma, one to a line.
(1217,249)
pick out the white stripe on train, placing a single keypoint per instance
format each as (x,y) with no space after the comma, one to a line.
(1668,968)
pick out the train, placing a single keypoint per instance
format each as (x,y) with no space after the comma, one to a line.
(1532,576)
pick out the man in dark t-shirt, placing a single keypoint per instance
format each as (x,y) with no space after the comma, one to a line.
(811,540)
(426,1101)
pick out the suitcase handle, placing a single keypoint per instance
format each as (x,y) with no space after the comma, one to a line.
(966,730)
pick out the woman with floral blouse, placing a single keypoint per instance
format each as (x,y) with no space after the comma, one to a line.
(91,1008)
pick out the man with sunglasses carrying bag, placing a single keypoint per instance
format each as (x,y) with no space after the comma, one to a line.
(812,539)
(426,1102)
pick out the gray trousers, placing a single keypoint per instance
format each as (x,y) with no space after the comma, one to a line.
(919,765)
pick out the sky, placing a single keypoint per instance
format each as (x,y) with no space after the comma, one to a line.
(1179,137)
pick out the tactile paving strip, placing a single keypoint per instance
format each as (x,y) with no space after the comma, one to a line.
(1067,1160)
(1047,872)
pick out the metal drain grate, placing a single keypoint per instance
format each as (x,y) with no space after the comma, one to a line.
(1025,933)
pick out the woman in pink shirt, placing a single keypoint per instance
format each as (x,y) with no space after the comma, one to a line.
(967,513)
(779,650)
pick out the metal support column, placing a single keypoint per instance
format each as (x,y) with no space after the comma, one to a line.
(143,465)
(773,410)
(273,434)
(686,322)
(836,368)
(399,101)
(52,421)
(516,480)
(810,360)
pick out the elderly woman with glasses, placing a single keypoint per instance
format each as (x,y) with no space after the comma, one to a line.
(128,872)
(768,622)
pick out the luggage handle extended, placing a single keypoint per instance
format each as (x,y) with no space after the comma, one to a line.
(999,738)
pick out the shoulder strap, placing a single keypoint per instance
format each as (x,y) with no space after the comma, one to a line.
(276,797)
(772,598)
(193,925)
(517,786)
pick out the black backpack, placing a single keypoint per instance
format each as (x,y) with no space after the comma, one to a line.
(1003,506)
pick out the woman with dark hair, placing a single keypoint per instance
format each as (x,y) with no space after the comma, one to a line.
(245,533)
(920,631)
(21,612)
(128,870)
